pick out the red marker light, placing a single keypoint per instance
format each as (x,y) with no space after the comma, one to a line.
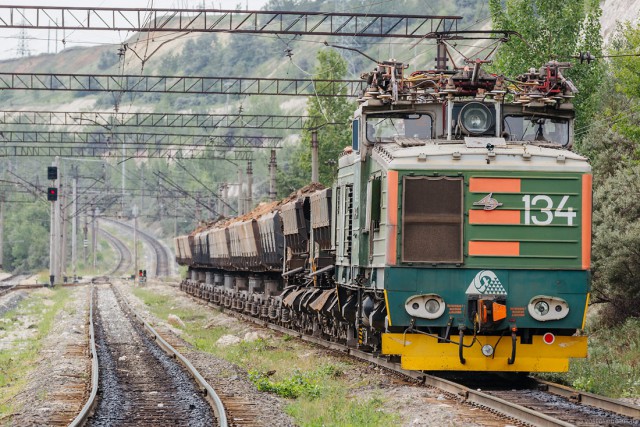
(548,338)
(52,194)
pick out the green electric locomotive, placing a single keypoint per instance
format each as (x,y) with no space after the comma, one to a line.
(456,236)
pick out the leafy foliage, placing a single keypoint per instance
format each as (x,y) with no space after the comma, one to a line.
(616,245)
(625,67)
(331,123)
(298,384)
(552,30)
(613,367)
(26,239)
(611,142)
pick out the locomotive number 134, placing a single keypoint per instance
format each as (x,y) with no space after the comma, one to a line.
(544,211)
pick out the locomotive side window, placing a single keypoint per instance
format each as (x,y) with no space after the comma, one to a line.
(386,127)
(432,219)
(374,197)
(355,137)
(539,129)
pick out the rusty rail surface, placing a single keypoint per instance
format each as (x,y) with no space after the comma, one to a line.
(586,398)
(210,393)
(89,405)
(468,395)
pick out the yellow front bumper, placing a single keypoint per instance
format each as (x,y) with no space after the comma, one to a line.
(425,353)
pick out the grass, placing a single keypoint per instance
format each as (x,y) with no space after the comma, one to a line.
(613,366)
(318,389)
(17,361)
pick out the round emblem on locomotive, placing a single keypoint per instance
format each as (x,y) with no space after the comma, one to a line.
(486,282)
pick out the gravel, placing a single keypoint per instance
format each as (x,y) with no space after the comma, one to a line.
(11,301)
(56,388)
(417,405)
(64,367)
(140,383)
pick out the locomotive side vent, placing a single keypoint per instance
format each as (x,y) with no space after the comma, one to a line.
(432,219)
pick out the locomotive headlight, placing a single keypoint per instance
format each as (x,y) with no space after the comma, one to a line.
(475,118)
(429,306)
(541,307)
(544,308)
(487,350)
(432,306)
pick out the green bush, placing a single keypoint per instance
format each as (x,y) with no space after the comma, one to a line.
(613,366)
(297,385)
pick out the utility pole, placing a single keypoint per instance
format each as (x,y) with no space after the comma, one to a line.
(272,176)
(249,187)
(197,207)
(441,55)
(53,232)
(240,198)
(94,236)
(74,225)
(62,231)
(135,241)
(52,252)
(221,199)
(225,197)
(1,230)
(175,218)
(314,156)
(85,239)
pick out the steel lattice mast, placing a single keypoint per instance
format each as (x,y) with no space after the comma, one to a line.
(180,84)
(171,152)
(110,120)
(234,21)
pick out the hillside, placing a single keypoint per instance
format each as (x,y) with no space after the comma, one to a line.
(614,11)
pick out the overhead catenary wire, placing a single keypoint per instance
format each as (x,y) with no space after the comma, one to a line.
(204,186)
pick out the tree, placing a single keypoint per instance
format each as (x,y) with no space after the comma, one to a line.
(331,120)
(553,30)
(616,246)
(625,67)
(611,142)
(26,237)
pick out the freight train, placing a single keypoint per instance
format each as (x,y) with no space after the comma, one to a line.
(456,236)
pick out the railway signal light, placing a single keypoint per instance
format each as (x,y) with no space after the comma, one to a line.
(52,194)
(52,173)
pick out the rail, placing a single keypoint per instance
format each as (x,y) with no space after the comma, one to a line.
(475,397)
(163,254)
(89,405)
(586,398)
(210,393)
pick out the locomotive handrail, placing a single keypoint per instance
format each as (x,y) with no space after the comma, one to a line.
(294,271)
(322,270)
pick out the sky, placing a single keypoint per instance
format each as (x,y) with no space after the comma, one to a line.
(43,41)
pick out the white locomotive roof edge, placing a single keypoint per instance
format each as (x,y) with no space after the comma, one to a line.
(457,156)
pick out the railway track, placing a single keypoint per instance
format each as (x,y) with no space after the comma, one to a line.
(9,284)
(569,406)
(124,254)
(529,402)
(162,254)
(135,382)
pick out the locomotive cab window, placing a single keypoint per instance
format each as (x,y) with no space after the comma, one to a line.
(387,127)
(538,129)
(432,219)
